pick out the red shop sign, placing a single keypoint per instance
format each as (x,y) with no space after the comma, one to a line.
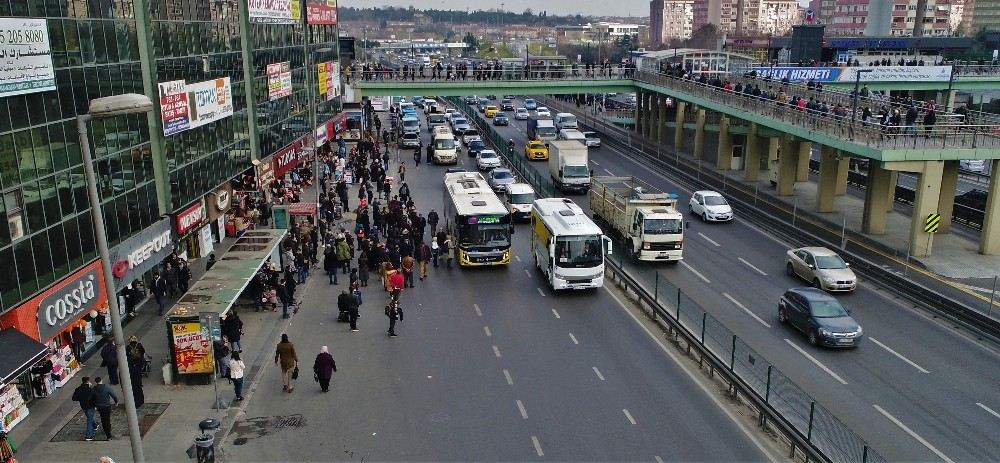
(286,159)
(190,218)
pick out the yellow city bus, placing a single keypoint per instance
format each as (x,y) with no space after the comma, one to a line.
(477,221)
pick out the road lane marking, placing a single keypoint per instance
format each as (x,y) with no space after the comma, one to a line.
(526,272)
(658,459)
(594,162)
(752,266)
(520,408)
(745,309)
(695,272)
(573,338)
(555,313)
(988,410)
(609,172)
(816,362)
(540,291)
(629,416)
(913,434)
(496,351)
(710,240)
(897,354)
(598,373)
(487,330)
(518,258)
(538,447)
(506,375)
(478,312)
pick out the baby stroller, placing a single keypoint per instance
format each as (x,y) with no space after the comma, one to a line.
(343,316)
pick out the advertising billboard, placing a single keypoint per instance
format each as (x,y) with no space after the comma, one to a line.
(25,57)
(192,348)
(321,11)
(279,80)
(274,11)
(174,107)
(185,106)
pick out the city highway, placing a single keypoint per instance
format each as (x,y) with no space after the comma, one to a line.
(914,389)
(489,365)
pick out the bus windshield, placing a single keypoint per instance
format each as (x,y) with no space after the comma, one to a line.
(579,251)
(485,235)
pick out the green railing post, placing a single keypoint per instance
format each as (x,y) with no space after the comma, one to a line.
(812,410)
(767,387)
(704,316)
(656,287)
(678,315)
(864,454)
(732,355)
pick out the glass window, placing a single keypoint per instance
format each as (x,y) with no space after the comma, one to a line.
(50,200)
(11,293)
(8,162)
(80,195)
(110,221)
(40,144)
(73,243)
(25,264)
(64,190)
(43,261)
(33,206)
(87,243)
(57,248)
(4,116)
(18,111)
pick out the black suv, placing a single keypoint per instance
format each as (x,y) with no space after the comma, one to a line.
(506,105)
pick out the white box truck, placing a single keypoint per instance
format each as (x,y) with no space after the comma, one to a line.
(569,166)
(646,217)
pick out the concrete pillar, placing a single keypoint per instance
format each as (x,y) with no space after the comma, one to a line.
(699,134)
(654,114)
(802,160)
(650,113)
(946,204)
(679,122)
(640,116)
(989,238)
(724,158)
(875,216)
(890,201)
(786,167)
(826,187)
(842,169)
(928,194)
(773,144)
(661,120)
(751,155)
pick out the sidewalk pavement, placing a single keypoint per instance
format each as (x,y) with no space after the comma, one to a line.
(169,419)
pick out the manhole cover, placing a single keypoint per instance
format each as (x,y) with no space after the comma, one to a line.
(291,421)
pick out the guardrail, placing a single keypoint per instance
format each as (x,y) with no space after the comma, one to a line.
(810,429)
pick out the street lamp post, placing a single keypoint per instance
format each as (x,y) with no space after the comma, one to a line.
(854,99)
(111,106)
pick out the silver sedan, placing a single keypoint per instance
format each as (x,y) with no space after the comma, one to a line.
(822,267)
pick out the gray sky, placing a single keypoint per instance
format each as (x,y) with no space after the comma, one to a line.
(560,7)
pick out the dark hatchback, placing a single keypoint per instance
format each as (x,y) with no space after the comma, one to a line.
(501,119)
(475,146)
(820,316)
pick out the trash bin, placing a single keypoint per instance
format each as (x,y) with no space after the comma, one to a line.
(204,446)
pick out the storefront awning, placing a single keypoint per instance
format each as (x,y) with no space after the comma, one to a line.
(20,352)
(219,287)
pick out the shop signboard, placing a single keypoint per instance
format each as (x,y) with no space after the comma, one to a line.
(303,208)
(328,79)
(141,253)
(190,218)
(219,201)
(286,159)
(25,57)
(192,348)
(69,300)
(174,107)
(279,80)
(321,12)
(274,11)
(265,174)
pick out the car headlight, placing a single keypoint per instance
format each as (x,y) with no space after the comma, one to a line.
(860,331)
(824,332)
(828,279)
(645,245)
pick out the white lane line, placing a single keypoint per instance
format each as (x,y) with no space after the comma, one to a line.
(520,408)
(506,375)
(598,373)
(629,416)
(540,291)
(555,313)
(487,330)
(573,338)
(745,309)
(594,162)
(518,258)
(478,312)
(526,272)
(897,354)
(609,172)
(748,264)
(695,272)
(658,459)
(988,410)
(496,351)
(538,447)
(816,362)
(913,434)
(710,240)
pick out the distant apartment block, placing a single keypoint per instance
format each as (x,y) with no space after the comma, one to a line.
(748,16)
(670,19)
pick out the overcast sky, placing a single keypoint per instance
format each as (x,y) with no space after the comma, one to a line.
(560,7)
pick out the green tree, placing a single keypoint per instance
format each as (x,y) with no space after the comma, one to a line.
(471,40)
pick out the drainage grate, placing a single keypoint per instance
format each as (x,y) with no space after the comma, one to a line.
(290,421)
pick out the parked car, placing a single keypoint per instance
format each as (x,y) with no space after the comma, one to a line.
(711,206)
(521,114)
(475,146)
(592,139)
(501,119)
(499,178)
(487,159)
(820,316)
(822,267)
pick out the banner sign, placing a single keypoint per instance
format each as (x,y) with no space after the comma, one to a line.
(25,57)
(192,348)
(799,74)
(286,159)
(274,11)
(174,107)
(328,79)
(141,252)
(848,74)
(321,11)
(279,80)
(190,218)
(69,300)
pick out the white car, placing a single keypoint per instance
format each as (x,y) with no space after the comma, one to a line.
(973,165)
(710,206)
(487,159)
(822,267)
(521,114)
(543,111)
(499,178)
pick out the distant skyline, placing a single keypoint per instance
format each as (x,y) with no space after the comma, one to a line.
(634,8)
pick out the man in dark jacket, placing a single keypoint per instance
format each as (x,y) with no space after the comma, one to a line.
(432,219)
(159,292)
(346,302)
(323,368)
(232,329)
(84,394)
(109,359)
(103,395)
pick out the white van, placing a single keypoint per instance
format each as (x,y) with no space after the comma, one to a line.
(565,121)
(519,197)
(572,134)
(445,151)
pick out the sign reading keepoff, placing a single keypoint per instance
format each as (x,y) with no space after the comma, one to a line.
(69,300)
(141,252)
(190,218)
(321,11)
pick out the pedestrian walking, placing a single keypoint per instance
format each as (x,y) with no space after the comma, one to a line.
(363,269)
(323,368)
(396,284)
(284,355)
(211,261)
(232,329)
(183,276)
(109,359)
(423,256)
(103,396)
(347,303)
(407,267)
(85,395)
(330,264)
(171,275)
(449,251)
(237,370)
(392,311)
(135,354)
(159,292)
(432,219)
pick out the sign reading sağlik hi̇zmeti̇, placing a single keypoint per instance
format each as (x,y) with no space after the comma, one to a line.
(25,57)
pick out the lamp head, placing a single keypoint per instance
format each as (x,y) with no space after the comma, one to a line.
(116,105)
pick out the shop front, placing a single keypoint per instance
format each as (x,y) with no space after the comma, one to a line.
(134,260)
(194,239)
(20,352)
(219,207)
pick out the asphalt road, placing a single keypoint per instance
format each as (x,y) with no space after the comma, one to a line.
(915,389)
(489,365)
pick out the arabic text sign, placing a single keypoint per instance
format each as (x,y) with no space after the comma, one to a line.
(274,11)
(898,74)
(174,107)
(209,101)
(279,80)
(321,11)
(25,57)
